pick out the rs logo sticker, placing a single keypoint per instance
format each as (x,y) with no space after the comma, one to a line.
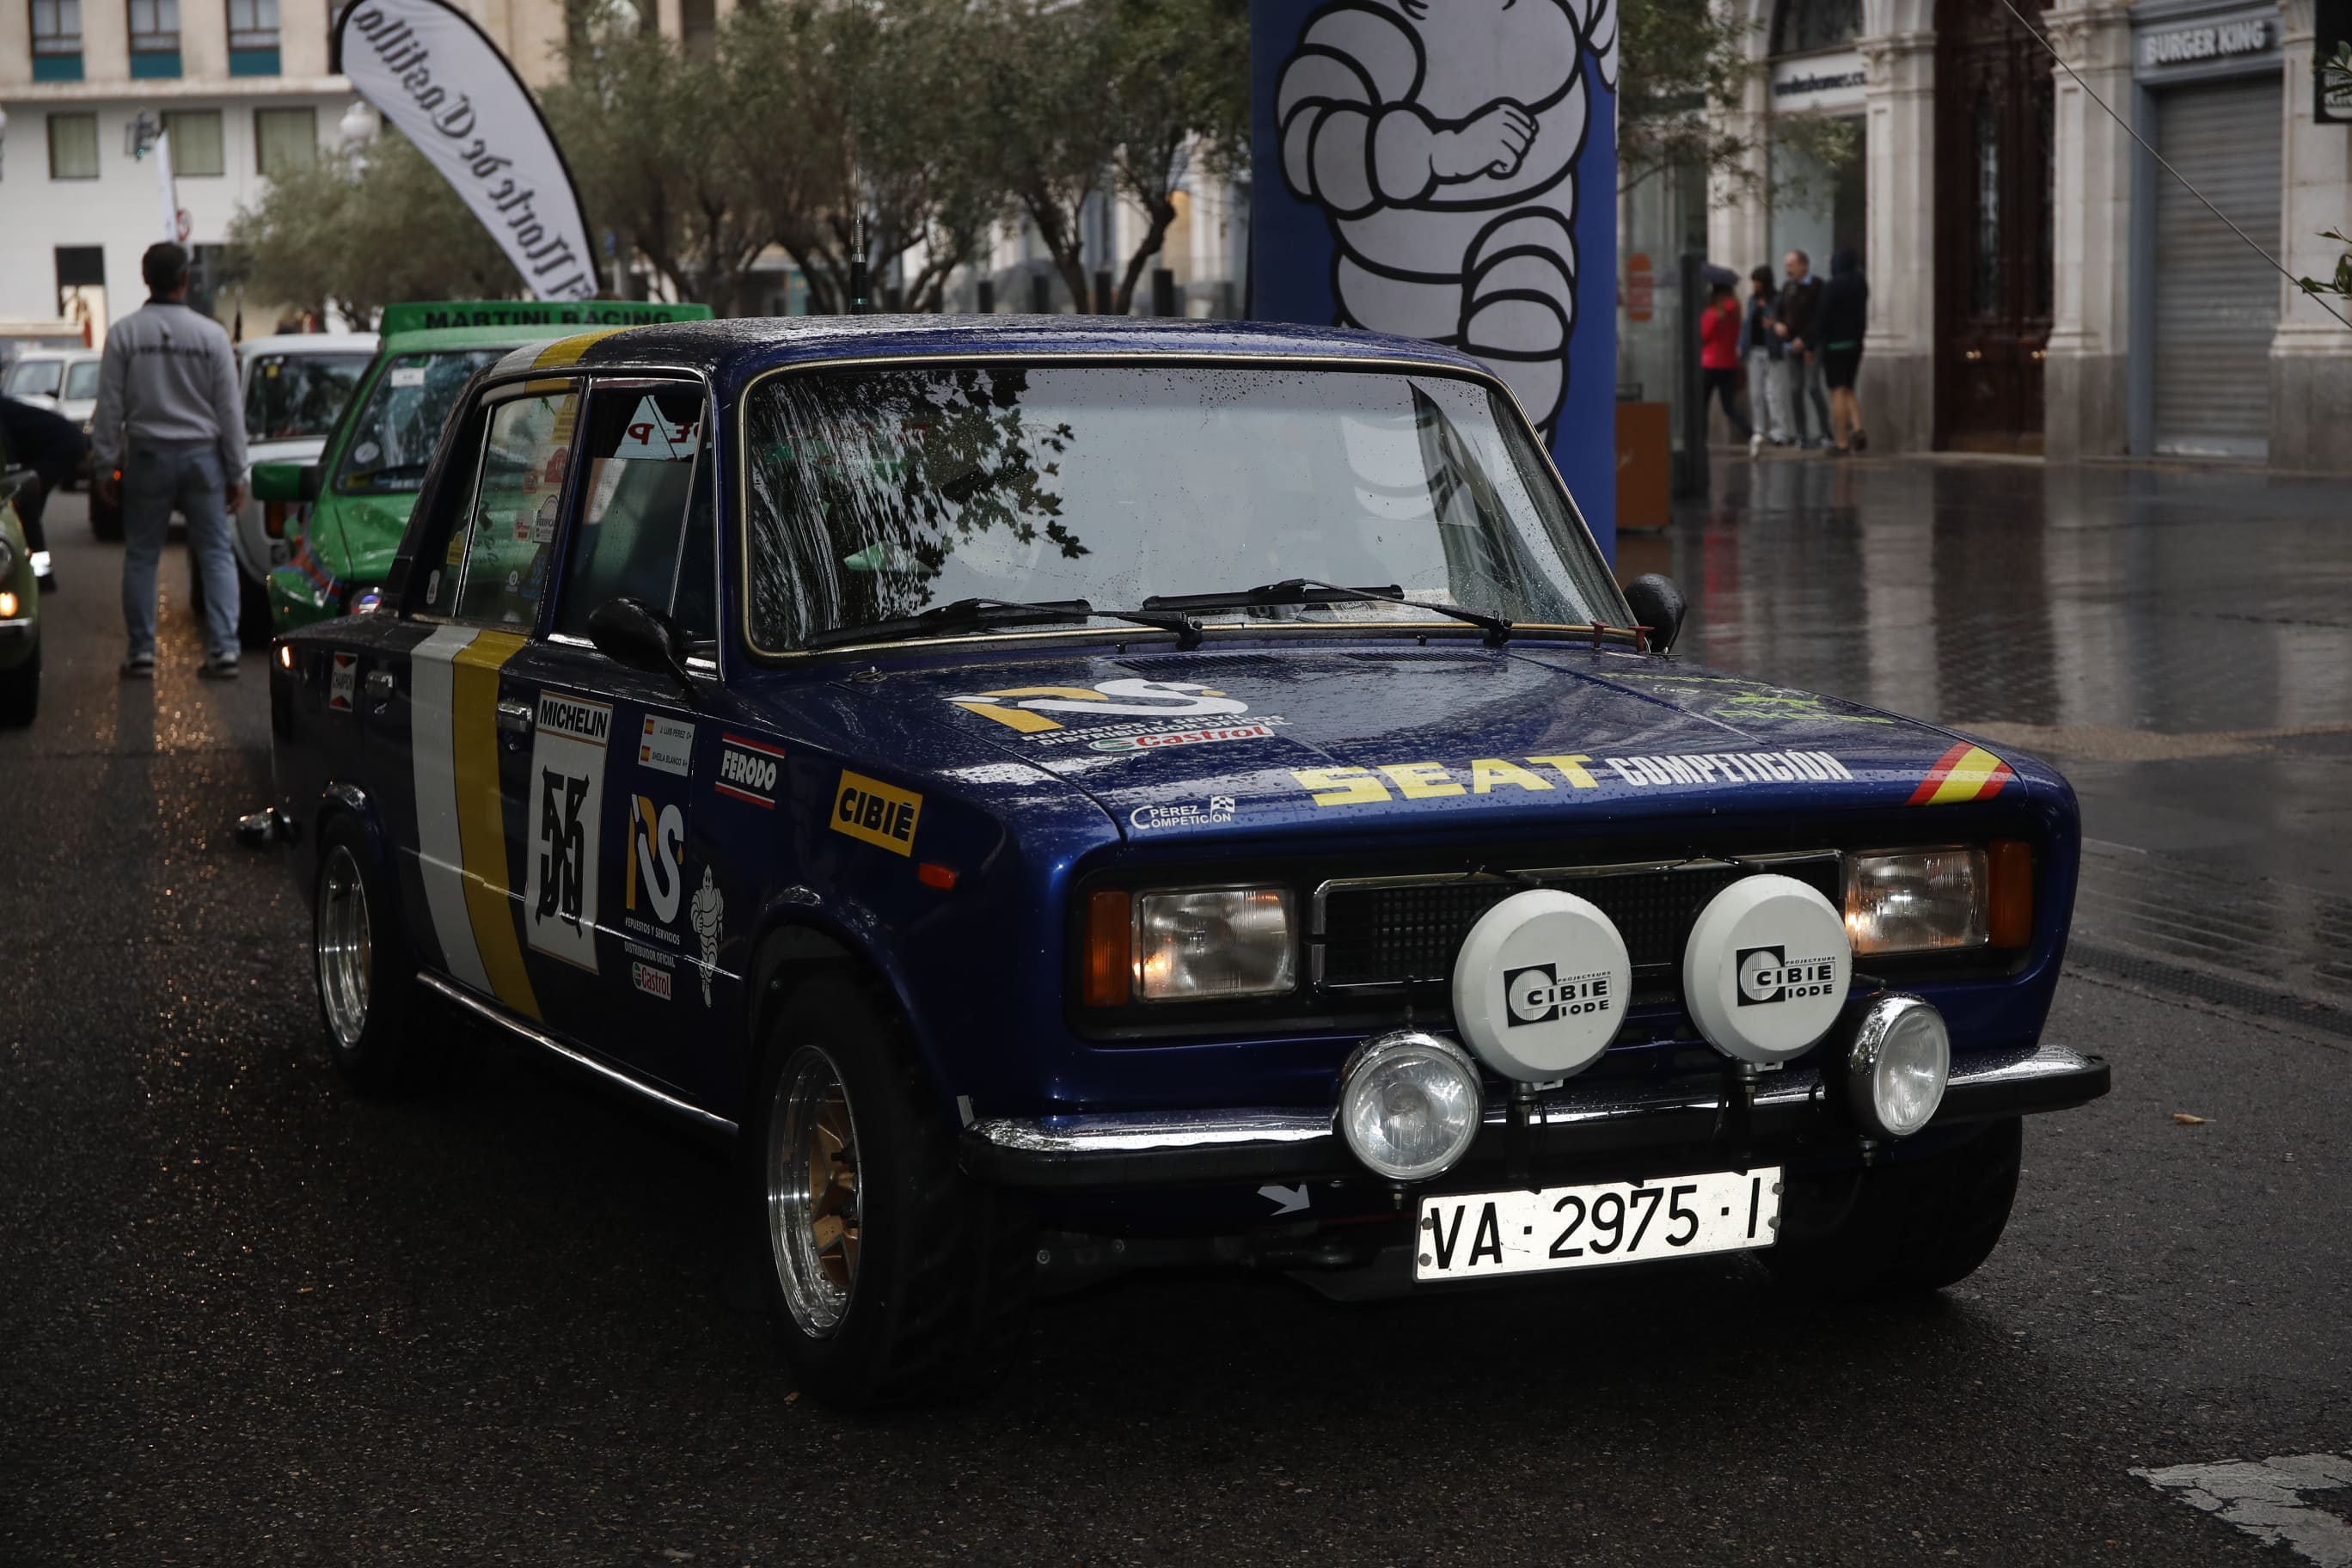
(875,812)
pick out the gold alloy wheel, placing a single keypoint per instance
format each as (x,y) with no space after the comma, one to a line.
(814,1220)
(344,946)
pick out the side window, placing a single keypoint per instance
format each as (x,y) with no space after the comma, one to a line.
(509,539)
(643,510)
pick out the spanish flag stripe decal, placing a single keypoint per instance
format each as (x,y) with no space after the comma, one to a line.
(1963,774)
(481,820)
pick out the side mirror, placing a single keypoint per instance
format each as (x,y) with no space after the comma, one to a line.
(631,632)
(286,481)
(1658,605)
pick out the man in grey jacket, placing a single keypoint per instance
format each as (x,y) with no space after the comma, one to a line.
(168,415)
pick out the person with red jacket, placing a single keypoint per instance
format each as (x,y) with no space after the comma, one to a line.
(1718,355)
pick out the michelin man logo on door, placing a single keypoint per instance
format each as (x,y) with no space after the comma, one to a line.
(1440,139)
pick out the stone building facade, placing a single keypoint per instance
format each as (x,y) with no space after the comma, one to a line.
(2039,282)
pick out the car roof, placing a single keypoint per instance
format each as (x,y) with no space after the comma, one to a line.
(310,343)
(432,339)
(67,355)
(733,350)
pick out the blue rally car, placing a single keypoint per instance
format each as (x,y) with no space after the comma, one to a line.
(1062,794)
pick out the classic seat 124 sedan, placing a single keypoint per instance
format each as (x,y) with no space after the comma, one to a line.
(1056,796)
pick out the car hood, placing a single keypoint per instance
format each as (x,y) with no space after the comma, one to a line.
(1243,742)
(355,537)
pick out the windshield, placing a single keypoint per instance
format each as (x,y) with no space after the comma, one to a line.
(291,396)
(34,377)
(393,440)
(880,493)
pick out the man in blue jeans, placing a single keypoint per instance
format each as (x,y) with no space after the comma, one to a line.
(168,415)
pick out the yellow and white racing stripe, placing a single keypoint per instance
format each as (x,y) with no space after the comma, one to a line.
(460,827)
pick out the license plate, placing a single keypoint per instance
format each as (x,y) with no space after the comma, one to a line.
(1481,1236)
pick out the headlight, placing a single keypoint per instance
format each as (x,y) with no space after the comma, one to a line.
(1409,1105)
(1916,901)
(1898,1065)
(1201,943)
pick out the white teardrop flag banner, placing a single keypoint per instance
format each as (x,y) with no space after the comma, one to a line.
(436,76)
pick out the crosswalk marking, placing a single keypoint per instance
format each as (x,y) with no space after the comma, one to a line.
(2266,1501)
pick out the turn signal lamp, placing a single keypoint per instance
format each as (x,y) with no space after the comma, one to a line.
(2011,869)
(1109,933)
(7,605)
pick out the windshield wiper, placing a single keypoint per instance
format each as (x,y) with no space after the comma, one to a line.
(1307,591)
(979,614)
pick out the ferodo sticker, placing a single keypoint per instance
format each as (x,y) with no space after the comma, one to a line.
(1964,772)
(747,770)
(877,813)
(567,802)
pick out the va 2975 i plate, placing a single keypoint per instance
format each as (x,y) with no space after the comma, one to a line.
(1480,1236)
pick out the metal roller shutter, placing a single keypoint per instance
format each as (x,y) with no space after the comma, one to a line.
(2216,300)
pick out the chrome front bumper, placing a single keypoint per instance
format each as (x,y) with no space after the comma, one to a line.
(1582,1120)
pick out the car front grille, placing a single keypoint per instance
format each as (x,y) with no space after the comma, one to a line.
(1379,931)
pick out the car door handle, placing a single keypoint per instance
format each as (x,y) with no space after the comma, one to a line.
(379,683)
(514,718)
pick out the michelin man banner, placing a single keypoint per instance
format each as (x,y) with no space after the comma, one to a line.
(430,71)
(1447,170)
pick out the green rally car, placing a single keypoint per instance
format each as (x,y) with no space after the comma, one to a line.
(354,502)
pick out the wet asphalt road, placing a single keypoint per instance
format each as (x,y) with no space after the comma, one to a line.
(245,1315)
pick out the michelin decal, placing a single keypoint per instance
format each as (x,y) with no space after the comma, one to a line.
(567,802)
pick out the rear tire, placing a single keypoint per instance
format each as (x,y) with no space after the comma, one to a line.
(252,613)
(890,1275)
(20,693)
(1913,1228)
(366,977)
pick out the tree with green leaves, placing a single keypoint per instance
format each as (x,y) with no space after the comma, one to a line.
(1109,99)
(1683,76)
(2337,70)
(359,231)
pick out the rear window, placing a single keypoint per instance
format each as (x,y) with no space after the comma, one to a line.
(393,440)
(291,397)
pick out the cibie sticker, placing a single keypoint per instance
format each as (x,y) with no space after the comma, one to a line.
(1765,969)
(666,745)
(1768,974)
(747,770)
(1540,984)
(877,813)
(1041,710)
(567,802)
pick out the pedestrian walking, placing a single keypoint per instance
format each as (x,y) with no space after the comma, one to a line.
(168,416)
(52,445)
(1767,368)
(1719,353)
(1845,319)
(1800,301)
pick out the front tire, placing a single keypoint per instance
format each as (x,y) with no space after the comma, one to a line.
(20,693)
(366,978)
(1911,1228)
(890,1275)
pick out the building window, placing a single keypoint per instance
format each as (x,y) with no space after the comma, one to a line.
(1806,25)
(195,141)
(285,140)
(253,37)
(57,41)
(154,39)
(73,146)
(698,23)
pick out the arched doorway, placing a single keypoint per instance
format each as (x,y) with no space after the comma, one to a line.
(1994,104)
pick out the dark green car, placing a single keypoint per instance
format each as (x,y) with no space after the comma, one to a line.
(358,496)
(20,609)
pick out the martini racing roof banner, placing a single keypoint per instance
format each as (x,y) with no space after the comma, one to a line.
(438,77)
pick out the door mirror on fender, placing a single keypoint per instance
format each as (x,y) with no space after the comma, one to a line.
(1658,605)
(286,481)
(631,632)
